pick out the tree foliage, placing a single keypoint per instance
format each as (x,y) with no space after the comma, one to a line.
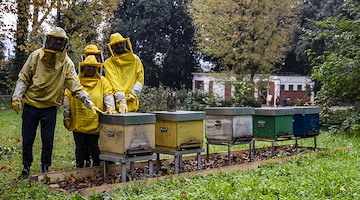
(83,21)
(249,36)
(5,80)
(162,36)
(21,34)
(296,60)
(338,69)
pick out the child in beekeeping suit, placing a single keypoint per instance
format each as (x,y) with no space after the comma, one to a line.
(85,124)
(125,72)
(92,49)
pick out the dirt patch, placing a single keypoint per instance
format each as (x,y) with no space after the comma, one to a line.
(72,184)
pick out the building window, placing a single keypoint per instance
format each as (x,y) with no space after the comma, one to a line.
(291,87)
(211,87)
(299,88)
(282,87)
(199,85)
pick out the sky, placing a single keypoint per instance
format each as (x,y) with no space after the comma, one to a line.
(9,20)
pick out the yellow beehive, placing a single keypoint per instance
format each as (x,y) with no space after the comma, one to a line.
(179,130)
(128,134)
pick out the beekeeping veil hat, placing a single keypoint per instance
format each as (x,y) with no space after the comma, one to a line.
(56,41)
(93,50)
(90,61)
(119,45)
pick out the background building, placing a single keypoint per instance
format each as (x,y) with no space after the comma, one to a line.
(281,88)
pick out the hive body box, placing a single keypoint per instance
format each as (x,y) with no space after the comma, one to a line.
(229,124)
(179,130)
(306,121)
(273,122)
(125,135)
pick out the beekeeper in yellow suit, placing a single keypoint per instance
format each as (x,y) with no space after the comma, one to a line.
(125,73)
(92,49)
(84,123)
(40,86)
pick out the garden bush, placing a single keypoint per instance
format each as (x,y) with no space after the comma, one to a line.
(341,120)
(152,99)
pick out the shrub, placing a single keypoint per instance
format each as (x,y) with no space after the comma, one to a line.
(342,120)
(155,99)
(152,99)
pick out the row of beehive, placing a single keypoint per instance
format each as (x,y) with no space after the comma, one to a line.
(139,133)
(234,123)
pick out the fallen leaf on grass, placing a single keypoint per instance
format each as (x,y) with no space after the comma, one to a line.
(54,185)
(83,185)
(342,188)
(71,179)
(96,178)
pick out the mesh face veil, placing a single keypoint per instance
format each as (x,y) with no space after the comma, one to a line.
(55,44)
(119,45)
(98,56)
(92,50)
(90,68)
(56,41)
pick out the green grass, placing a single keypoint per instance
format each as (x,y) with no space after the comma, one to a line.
(330,175)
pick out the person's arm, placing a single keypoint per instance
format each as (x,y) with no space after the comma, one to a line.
(25,76)
(67,109)
(139,81)
(120,100)
(72,83)
(109,100)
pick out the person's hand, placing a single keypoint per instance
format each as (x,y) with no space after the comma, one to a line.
(131,97)
(67,122)
(16,105)
(123,108)
(96,110)
(111,111)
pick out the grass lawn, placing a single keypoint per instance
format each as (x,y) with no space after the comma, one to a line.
(329,175)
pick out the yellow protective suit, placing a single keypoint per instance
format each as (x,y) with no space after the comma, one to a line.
(45,83)
(82,119)
(124,72)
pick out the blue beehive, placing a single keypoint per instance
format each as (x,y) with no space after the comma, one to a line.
(306,121)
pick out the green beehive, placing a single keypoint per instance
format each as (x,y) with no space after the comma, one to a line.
(273,123)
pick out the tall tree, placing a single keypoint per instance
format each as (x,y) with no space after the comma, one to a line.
(22,12)
(249,36)
(162,35)
(5,81)
(338,68)
(296,60)
(84,21)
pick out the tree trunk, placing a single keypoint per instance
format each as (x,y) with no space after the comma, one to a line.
(21,34)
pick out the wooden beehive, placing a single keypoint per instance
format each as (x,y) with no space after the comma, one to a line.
(306,121)
(179,130)
(229,124)
(273,123)
(128,134)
